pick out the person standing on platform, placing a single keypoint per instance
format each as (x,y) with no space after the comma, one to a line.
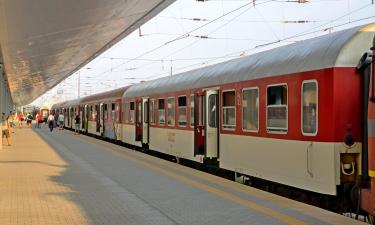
(37,120)
(5,130)
(77,121)
(20,119)
(61,121)
(51,121)
(11,122)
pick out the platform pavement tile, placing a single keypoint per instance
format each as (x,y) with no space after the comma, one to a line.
(26,169)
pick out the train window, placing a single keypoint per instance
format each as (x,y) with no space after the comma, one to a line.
(229,110)
(309,107)
(113,112)
(131,114)
(152,112)
(95,112)
(105,112)
(171,111)
(212,110)
(250,109)
(192,102)
(145,111)
(139,119)
(161,111)
(277,108)
(182,119)
(117,112)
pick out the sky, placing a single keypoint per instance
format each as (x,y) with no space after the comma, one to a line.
(192,34)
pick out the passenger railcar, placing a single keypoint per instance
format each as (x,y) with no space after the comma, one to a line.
(101,114)
(294,115)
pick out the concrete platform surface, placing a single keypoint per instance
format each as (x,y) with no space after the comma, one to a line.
(61,178)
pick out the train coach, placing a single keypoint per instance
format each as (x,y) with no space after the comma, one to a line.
(100,113)
(294,116)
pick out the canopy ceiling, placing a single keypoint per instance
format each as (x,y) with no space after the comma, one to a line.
(44,41)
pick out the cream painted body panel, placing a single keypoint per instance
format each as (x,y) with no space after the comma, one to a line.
(288,162)
(128,135)
(179,143)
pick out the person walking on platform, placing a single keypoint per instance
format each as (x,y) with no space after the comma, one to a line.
(61,121)
(29,119)
(5,130)
(51,121)
(77,121)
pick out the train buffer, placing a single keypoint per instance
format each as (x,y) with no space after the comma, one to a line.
(61,178)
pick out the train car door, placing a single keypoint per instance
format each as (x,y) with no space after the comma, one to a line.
(85,118)
(199,128)
(138,120)
(211,123)
(98,114)
(145,127)
(81,113)
(101,119)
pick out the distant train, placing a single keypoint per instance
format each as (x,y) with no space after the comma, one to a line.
(289,119)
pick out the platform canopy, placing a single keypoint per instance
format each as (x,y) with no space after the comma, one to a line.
(44,41)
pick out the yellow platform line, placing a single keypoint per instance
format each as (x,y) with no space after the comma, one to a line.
(225,195)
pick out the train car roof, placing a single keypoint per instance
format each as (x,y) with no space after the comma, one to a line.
(108,95)
(103,96)
(66,104)
(339,49)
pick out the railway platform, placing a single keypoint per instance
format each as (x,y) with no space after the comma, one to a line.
(61,178)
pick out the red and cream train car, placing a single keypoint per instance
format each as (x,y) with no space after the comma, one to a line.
(101,114)
(286,115)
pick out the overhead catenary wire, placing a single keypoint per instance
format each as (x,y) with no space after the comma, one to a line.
(213,31)
(182,36)
(262,45)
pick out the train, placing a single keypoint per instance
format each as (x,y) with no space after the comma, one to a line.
(296,120)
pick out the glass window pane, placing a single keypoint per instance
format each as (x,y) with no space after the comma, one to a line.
(161,111)
(171,111)
(212,120)
(182,119)
(182,116)
(139,112)
(309,107)
(277,108)
(250,109)
(131,119)
(152,112)
(145,111)
(229,109)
